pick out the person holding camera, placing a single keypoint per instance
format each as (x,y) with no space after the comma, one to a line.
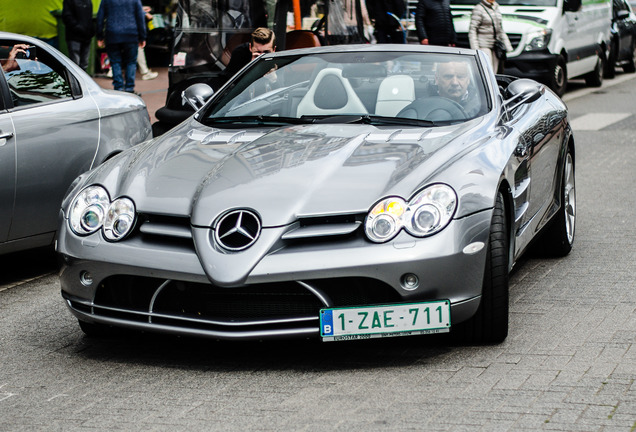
(486,33)
(17,51)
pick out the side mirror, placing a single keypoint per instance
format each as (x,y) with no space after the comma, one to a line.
(622,14)
(522,91)
(197,95)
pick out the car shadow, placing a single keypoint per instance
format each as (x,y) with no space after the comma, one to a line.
(293,354)
(23,266)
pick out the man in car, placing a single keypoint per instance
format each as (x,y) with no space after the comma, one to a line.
(263,41)
(453,82)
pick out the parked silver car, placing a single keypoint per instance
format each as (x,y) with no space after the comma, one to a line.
(342,192)
(55,123)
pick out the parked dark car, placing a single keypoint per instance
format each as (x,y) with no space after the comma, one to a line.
(340,192)
(623,37)
(55,123)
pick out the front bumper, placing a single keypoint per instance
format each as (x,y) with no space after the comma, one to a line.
(538,66)
(162,286)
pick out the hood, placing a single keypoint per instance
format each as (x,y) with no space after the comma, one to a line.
(282,173)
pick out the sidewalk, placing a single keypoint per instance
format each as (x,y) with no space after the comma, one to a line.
(153,92)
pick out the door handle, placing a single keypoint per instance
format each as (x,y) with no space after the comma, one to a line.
(4,137)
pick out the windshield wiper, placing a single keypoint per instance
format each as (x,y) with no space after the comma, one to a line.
(256,120)
(370,119)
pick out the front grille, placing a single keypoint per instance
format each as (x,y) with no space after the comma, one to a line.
(254,308)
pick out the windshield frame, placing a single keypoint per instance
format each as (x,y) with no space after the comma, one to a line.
(363,67)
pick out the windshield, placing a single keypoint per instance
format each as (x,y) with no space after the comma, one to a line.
(542,3)
(353,86)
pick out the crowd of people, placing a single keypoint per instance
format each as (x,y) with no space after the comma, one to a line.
(122,25)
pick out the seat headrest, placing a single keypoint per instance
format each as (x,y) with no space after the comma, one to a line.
(330,93)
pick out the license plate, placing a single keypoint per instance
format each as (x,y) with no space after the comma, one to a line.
(384,321)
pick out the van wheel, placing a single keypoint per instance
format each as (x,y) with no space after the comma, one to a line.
(630,66)
(610,65)
(595,78)
(559,79)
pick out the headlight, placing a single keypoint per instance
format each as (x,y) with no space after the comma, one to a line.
(430,210)
(425,214)
(539,40)
(119,219)
(92,210)
(88,210)
(385,219)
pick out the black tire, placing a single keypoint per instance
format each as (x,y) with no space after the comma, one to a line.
(558,236)
(630,66)
(94,330)
(558,82)
(595,78)
(610,65)
(490,324)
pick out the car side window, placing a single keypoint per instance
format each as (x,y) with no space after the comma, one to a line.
(33,80)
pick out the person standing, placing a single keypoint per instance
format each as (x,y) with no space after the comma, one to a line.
(485,28)
(142,64)
(77,16)
(386,16)
(121,28)
(434,23)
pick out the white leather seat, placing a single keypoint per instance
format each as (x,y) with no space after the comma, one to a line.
(329,94)
(395,92)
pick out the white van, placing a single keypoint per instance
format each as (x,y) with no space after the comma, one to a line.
(553,40)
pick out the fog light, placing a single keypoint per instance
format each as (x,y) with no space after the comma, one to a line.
(410,282)
(86,278)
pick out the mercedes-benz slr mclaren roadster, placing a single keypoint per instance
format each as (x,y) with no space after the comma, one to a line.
(344,192)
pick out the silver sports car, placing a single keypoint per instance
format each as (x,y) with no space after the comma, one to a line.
(55,123)
(344,192)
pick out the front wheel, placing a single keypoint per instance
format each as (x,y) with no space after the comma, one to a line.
(490,324)
(595,78)
(558,81)
(610,65)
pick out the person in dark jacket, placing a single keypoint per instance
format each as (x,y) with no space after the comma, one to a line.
(77,16)
(386,16)
(434,23)
(121,28)
(263,41)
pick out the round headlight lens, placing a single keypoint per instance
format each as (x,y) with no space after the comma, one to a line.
(430,210)
(384,220)
(119,219)
(426,218)
(88,210)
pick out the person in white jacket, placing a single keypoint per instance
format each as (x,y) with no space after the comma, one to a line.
(485,23)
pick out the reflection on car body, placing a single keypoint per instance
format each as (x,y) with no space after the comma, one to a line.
(55,123)
(346,197)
